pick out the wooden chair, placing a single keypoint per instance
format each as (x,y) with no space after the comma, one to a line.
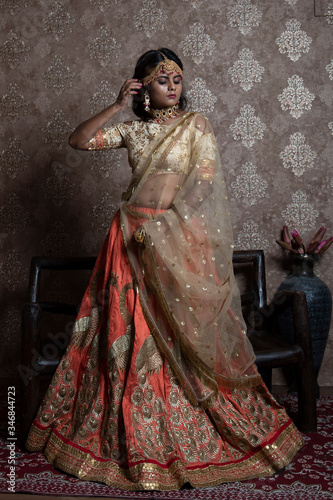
(265,331)
(41,356)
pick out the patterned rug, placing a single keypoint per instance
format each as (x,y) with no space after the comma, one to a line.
(308,477)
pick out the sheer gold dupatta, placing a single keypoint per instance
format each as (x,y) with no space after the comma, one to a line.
(184,267)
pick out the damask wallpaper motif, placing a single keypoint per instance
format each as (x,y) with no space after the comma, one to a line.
(262,72)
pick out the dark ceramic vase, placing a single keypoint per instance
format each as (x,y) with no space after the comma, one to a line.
(319,304)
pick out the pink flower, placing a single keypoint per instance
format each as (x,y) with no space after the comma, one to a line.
(324,245)
(295,244)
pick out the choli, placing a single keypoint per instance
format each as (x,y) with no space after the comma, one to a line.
(137,136)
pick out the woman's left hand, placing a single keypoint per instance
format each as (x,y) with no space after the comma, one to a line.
(130,87)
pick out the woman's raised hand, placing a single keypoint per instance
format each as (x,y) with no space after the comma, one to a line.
(130,87)
(79,139)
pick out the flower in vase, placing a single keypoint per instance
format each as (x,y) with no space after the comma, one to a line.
(295,244)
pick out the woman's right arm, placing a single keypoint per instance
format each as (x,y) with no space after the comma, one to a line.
(81,136)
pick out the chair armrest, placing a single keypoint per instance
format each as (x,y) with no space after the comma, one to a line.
(55,263)
(296,300)
(293,304)
(267,317)
(35,356)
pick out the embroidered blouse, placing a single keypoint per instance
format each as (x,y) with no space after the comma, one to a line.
(138,135)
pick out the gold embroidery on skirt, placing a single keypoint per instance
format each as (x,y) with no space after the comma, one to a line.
(144,475)
(122,305)
(114,280)
(149,359)
(119,355)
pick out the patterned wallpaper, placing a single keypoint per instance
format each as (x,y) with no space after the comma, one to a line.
(262,72)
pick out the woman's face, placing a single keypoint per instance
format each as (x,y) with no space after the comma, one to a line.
(165,91)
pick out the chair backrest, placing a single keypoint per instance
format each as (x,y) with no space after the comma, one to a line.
(249,262)
(48,335)
(252,263)
(56,264)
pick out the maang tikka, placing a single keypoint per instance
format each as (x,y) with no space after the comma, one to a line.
(166,66)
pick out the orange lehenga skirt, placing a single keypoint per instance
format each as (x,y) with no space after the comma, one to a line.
(115,413)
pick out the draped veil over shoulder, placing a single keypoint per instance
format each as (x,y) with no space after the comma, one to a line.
(184,271)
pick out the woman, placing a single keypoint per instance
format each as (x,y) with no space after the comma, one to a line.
(158,386)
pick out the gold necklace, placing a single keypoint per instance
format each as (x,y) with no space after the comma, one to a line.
(161,115)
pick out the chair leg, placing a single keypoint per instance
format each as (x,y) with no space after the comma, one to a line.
(307,410)
(29,376)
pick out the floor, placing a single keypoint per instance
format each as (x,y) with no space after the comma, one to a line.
(23,496)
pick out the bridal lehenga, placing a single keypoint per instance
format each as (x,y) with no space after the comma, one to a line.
(158,386)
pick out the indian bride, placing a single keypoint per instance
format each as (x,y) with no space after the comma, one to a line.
(158,385)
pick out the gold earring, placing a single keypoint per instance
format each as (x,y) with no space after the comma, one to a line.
(147,101)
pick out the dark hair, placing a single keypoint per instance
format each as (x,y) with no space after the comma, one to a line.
(146,63)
